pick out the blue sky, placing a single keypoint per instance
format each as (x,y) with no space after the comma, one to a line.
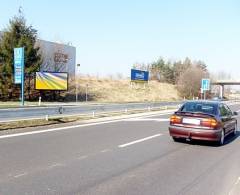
(112,35)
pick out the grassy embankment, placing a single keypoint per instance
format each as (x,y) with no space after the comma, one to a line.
(108,90)
(104,91)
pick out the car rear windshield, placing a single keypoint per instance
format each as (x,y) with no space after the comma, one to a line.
(208,108)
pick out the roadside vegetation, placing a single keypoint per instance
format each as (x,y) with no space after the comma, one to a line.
(169,80)
(17,34)
(185,74)
(121,90)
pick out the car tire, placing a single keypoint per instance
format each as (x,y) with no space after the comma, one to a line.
(222,138)
(235,130)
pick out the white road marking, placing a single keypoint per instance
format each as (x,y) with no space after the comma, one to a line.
(149,119)
(105,150)
(56,165)
(234,186)
(82,157)
(139,140)
(161,114)
(238,180)
(63,128)
(56,129)
(20,175)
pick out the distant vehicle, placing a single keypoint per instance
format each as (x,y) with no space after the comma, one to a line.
(203,120)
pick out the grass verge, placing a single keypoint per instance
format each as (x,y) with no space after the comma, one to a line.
(68,119)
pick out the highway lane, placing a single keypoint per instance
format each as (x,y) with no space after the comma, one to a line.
(91,160)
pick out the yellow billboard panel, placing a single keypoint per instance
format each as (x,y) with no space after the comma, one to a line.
(51,81)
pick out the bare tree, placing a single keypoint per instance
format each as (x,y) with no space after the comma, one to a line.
(189,82)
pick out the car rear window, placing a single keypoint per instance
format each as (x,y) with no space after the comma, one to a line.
(208,108)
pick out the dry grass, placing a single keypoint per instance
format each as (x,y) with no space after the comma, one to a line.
(107,90)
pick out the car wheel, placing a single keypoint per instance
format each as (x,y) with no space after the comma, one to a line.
(222,138)
(235,129)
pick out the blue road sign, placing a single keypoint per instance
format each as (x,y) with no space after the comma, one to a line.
(18,65)
(19,69)
(205,84)
(139,75)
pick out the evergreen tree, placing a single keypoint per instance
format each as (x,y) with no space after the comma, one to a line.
(17,34)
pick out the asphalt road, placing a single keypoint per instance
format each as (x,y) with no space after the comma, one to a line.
(130,156)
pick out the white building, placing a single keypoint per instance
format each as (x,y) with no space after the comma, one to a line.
(57,57)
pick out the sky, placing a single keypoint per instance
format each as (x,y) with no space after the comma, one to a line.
(110,36)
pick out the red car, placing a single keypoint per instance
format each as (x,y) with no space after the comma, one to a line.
(203,120)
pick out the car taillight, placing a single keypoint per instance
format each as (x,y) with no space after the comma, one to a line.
(209,122)
(175,119)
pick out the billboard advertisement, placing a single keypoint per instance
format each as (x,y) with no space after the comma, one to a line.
(139,75)
(51,81)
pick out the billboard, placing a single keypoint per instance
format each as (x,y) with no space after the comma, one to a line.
(139,75)
(51,81)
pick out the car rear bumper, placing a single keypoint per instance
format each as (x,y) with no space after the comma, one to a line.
(192,133)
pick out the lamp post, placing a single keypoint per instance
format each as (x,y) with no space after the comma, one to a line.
(76,80)
(86,92)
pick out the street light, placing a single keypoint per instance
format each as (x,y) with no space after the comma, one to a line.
(76,80)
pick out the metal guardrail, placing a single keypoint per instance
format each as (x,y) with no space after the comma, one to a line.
(31,113)
(20,114)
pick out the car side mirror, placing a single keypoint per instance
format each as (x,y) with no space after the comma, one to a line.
(235,113)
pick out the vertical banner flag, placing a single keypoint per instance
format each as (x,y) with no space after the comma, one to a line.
(18,65)
(19,70)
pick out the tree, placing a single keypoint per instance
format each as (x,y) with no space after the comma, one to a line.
(141,66)
(162,68)
(179,68)
(200,64)
(18,34)
(189,82)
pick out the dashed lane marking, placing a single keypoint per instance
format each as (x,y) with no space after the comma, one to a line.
(139,140)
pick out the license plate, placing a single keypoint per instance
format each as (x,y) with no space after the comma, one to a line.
(191,121)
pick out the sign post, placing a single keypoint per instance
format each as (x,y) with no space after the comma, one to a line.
(76,80)
(205,86)
(139,76)
(19,70)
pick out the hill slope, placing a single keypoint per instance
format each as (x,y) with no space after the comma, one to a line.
(107,90)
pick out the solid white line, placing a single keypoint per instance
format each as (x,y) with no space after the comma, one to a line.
(106,150)
(20,175)
(161,114)
(234,186)
(56,129)
(56,165)
(138,141)
(59,129)
(238,180)
(148,119)
(82,157)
